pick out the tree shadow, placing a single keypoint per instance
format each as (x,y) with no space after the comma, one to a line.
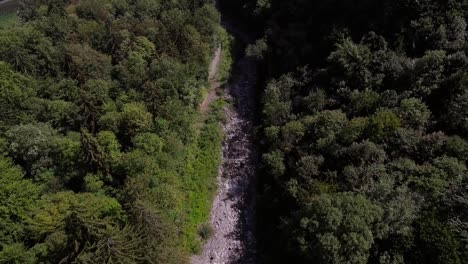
(242,89)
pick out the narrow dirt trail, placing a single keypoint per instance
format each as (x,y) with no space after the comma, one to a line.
(233,210)
(214,83)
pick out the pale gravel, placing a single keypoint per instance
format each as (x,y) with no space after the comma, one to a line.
(233,210)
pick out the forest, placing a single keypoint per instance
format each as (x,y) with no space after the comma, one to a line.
(363,130)
(105,157)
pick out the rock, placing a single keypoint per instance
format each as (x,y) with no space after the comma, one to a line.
(236,174)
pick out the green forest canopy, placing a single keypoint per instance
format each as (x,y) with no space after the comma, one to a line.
(102,158)
(365,128)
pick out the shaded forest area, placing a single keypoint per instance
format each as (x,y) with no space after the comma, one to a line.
(104,156)
(364,130)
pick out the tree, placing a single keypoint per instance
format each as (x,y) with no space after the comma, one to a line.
(135,119)
(17,254)
(133,71)
(17,197)
(70,224)
(354,130)
(383,124)
(309,167)
(15,90)
(15,50)
(457,147)
(458,113)
(274,162)
(291,134)
(31,146)
(363,103)
(28,10)
(435,243)
(152,144)
(84,63)
(93,96)
(352,61)
(118,245)
(258,49)
(355,177)
(156,92)
(56,7)
(93,154)
(147,8)
(94,33)
(68,160)
(429,73)
(400,206)
(110,148)
(277,103)
(363,153)
(91,9)
(413,113)
(325,232)
(326,123)
(316,100)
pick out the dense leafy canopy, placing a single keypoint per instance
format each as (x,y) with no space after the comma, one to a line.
(102,155)
(363,124)
(364,120)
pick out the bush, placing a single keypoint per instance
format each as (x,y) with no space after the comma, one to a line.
(205,231)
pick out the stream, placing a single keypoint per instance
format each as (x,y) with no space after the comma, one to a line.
(233,210)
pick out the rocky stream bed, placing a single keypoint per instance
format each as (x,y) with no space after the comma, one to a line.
(233,211)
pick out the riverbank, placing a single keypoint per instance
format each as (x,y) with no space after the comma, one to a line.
(233,211)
